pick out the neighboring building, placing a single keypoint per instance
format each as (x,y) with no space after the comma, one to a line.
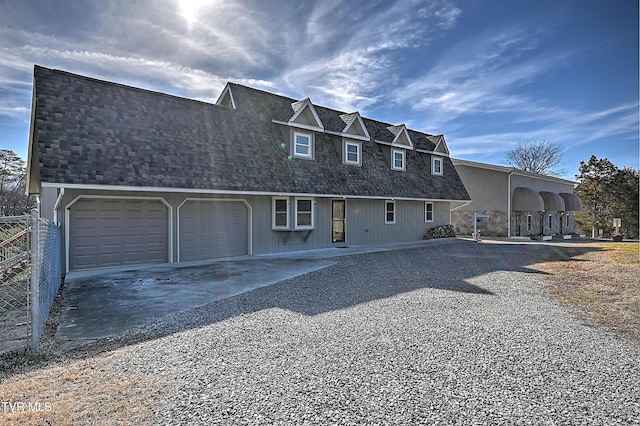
(513,203)
(139,177)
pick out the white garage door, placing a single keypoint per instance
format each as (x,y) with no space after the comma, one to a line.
(106,232)
(212,229)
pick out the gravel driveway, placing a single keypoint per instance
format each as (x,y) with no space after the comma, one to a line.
(454,334)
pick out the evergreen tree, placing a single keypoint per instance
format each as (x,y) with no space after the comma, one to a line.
(607,192)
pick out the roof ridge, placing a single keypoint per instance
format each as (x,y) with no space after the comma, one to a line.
(40,68)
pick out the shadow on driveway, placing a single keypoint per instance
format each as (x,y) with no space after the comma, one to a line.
(95,307)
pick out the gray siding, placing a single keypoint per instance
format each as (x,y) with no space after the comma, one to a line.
(365,224)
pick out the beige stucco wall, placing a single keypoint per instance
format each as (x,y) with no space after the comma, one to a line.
(488,186)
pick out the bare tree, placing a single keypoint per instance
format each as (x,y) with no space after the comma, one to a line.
(13,198)
(542,157)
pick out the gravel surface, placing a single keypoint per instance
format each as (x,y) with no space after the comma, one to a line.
(461,333)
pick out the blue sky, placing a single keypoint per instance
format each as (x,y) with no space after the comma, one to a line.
(487,74)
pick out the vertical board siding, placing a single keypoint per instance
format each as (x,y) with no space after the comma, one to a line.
(364,222)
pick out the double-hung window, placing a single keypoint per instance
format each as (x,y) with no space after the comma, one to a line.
(389,212)
(352,152)
(302,144)
(304,213)
(397,159)
(280,213)
(428,212)
(436,165)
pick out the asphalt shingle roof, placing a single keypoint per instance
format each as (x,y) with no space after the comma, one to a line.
(96,132)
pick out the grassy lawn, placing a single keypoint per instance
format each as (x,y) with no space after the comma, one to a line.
(601,286)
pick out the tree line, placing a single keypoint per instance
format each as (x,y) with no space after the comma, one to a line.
(607,192)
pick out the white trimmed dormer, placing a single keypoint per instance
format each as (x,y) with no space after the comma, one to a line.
(305,116)
(399,146)
(354,134)
(354,127)
(441,145)
(226,98)
(401,136)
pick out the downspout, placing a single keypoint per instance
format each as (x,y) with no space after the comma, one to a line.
(56,205)
(509,203)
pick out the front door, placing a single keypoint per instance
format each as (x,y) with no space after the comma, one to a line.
(338,234)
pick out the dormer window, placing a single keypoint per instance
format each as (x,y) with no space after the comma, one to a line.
(351,152)
(302,144)
(436,166)
(398,159)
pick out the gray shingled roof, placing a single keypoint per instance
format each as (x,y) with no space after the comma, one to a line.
(101,133)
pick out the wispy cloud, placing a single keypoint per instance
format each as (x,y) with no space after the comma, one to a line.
(362,47)
(483,75)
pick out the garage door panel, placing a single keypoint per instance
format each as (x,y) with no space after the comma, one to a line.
(213,229)
(117,232)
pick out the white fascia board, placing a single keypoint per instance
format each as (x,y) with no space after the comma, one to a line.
(227,89)
(348,135)
(299,126)
(439,154)
(226,192)
(504,169)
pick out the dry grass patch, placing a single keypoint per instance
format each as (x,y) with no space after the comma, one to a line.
(89,391)
(600,281)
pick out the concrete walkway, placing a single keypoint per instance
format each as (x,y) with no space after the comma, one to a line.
(100,304)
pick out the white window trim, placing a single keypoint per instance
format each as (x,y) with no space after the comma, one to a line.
(386,221)
(295,213)
(529,223)
(550,221)
(273,214)
(305,134)
(433,165)
(358,145)
(426,219)
(393,159)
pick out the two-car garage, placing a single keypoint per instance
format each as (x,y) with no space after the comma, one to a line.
(107,231)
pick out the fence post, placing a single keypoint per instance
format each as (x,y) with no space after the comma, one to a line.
(35,281)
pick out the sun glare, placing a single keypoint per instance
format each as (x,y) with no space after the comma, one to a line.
(189,9)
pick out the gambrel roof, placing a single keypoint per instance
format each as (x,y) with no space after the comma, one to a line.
(91,132)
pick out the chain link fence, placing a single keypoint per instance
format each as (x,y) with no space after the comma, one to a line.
(30,277)
(15,273)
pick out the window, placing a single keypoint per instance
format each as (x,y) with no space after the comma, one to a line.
(302,145)
(397,159)
(389,212)
(550,221)
(428,212)
(280,213)
(529,222)
(352,153)
(436,166)
(304,213)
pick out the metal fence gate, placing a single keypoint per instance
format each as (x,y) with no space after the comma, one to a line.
(30,277)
